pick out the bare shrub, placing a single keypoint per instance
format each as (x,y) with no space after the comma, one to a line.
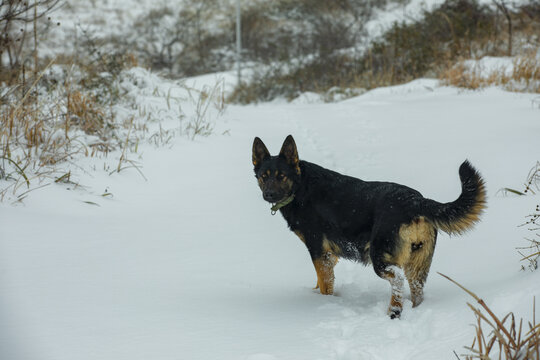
(18,27)
(429,47)
(284,30)
(531,253)
(186,42)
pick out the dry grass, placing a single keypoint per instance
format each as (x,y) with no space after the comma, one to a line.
(209,99)
(42,126)
(84,111)
(506,339)
(523,77)
(429,47)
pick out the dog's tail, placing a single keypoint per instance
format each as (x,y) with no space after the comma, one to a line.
(458,216)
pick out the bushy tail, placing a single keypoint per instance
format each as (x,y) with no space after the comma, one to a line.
(458,216)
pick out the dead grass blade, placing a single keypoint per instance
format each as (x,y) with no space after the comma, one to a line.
(505,333)
(19,169)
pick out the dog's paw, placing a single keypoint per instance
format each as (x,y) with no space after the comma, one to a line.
(394,313)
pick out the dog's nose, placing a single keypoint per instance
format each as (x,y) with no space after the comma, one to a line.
(270,195)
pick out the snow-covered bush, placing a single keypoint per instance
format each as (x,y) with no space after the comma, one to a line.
(521,73)
(286,29)
(189,41)
(20,22)
(427,47)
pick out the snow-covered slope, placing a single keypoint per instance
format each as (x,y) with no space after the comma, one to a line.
(191,265)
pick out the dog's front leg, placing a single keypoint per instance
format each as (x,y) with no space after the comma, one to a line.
(323,260)
(324,266)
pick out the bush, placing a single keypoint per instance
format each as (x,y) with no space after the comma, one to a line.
(429,47)
(19,27)
(183,43)
(522,75)
(287,30)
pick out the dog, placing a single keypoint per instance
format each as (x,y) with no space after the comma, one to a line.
(388,225)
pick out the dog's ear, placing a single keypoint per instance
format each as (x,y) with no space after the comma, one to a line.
(260,152)
(290,153)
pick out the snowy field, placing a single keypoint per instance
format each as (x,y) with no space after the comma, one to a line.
(190,264)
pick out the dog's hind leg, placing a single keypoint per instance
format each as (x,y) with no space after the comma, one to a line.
(422,238)
(389,256)
(386,267)
(394,275)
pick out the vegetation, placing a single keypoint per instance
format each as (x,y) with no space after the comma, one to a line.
(53,110)
(507,339)
(430,47)
(531,252)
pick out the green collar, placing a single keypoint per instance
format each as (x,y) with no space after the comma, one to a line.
(281,204)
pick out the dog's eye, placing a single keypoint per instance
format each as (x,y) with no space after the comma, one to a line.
(264,176)
(280,176)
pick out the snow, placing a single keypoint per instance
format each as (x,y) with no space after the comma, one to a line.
(186,261)
(410,11)
(488,65)
(190,264)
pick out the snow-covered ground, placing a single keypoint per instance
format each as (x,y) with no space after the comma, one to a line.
(190,264)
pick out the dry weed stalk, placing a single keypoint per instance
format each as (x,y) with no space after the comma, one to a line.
(533,224)
(533,179)
(507,339)
(523,77)
(201,123)
(84,111)
(531,184)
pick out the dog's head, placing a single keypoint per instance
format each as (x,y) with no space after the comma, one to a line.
(277,175)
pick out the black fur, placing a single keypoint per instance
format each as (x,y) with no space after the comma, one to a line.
(353,213)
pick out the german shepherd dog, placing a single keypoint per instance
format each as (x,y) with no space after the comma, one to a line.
(385,224)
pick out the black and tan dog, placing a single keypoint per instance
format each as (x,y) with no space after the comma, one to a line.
(389,225)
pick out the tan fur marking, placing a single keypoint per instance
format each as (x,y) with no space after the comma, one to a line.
(472,217)
(324,266)
(395,302)
(416,263)
(331,247)
(419,232)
